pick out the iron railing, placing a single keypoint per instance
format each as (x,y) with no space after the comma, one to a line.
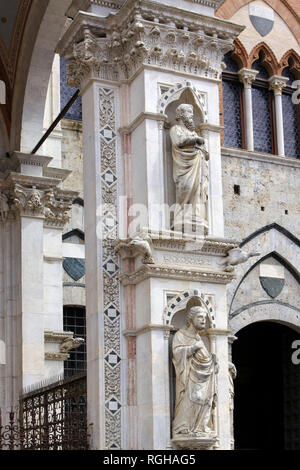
(50,418)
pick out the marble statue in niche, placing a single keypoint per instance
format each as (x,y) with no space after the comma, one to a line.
(190,173)
(196,368)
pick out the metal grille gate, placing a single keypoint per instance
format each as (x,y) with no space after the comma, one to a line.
(50,418)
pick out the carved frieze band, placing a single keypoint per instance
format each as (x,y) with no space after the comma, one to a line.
(111,283)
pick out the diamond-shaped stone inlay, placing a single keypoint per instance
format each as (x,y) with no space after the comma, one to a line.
(109,178)
(110,267)
(113,405)
(112,312)
(108,134)
(114,446)
(109,221)
(112,359)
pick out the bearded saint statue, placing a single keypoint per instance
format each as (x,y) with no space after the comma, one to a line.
(195,369)
(190,172)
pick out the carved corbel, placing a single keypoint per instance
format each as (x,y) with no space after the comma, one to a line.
(131,246)
(236,256)
(70,343)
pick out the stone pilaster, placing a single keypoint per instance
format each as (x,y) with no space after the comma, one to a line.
(31,205)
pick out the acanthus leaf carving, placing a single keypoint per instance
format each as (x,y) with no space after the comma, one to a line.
(119,51)
(51,204)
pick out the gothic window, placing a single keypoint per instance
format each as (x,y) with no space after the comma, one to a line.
(75,321)
(262,104)
(290,117)
(232,104)
(66,93)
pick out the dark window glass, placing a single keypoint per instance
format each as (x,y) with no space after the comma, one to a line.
(75,321)
(262,72)
(262,130)
(66,93)
(232,114)
(231,65)
(290,117)
(232,104)
(288,74)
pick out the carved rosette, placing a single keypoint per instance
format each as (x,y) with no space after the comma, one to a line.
(145,34)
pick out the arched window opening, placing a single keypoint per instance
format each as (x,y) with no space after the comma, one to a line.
(75,321)
(232,104)
(262,108)
(291,116)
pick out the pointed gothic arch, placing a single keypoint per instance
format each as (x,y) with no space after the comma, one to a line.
(290,59)
(269,61)
(239,54)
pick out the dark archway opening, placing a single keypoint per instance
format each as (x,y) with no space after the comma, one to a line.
(267,388)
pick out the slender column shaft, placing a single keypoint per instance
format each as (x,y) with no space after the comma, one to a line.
(247,76)
(276,84)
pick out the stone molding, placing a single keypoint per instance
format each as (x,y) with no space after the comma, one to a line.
(277,83)
(260,157)
(177,241)
(247,77)
(208,3)
(149,327)
(56,356)
(171,272)
(57,336)
(141,118)
(115,48)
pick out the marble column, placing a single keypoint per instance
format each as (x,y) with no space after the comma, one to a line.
(247,76)
(31,203)
(276,84)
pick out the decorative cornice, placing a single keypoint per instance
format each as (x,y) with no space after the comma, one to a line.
(58,173)
(57,336)
(145,33)
(172,272)
(168,240)
(209,3)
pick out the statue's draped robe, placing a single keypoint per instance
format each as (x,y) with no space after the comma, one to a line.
(190,174)
(195,384)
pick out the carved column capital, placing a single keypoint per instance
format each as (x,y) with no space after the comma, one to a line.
(277,82)
(35,197)
(247,77)
(112,48)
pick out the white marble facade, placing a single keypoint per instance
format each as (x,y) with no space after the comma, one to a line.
(131,82)
(134,65)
